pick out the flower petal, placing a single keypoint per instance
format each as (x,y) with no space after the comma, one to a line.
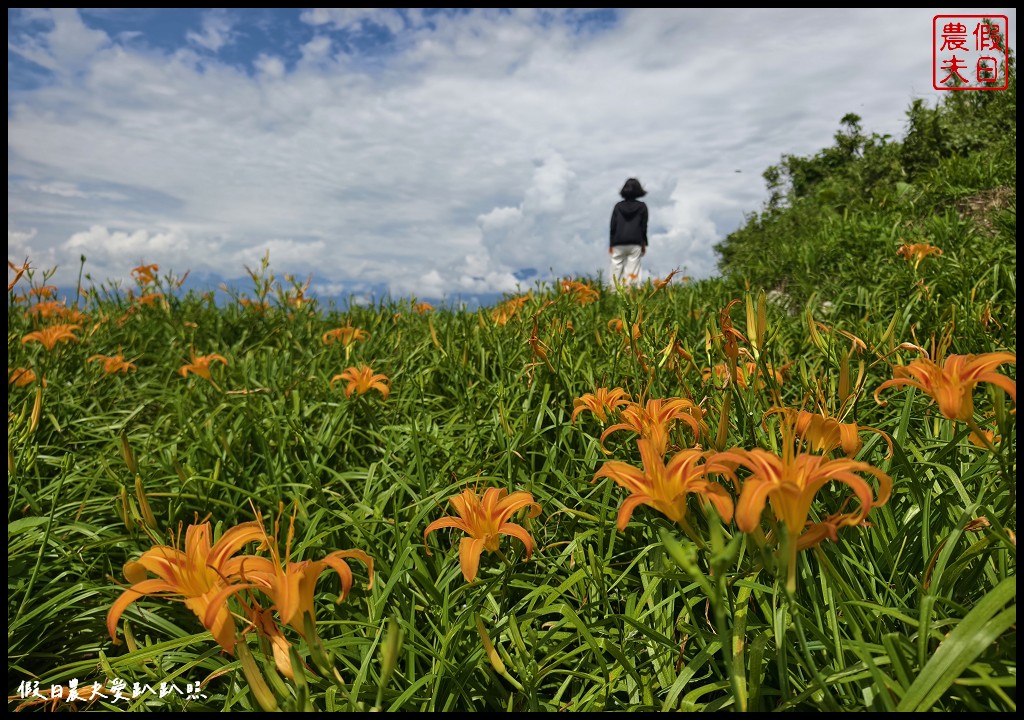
(520,532)
(136,591)
(469,557)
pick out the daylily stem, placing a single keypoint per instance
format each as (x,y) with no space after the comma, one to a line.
(791,568)
(692,534)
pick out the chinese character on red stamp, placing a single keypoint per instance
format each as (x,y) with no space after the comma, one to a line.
(970,52)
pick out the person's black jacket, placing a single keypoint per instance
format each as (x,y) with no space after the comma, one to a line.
(629,224)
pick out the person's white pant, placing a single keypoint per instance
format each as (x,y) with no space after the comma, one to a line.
(626,265)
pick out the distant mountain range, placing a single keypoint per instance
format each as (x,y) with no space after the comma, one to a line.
(226,291)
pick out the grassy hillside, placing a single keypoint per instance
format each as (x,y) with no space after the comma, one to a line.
(835,220)
(684,496)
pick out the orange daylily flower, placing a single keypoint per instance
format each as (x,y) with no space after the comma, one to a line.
(828,529)
(790,482)
(506,310)
(485,520)
(917,252)
(145,274)
(347,336)
(149,298)
(616,325)
(600,402)
(746,374)
(50,336)
(292,586)
(362,380)
(665,487)
(581,293)
(654,421)
(661,284)
(423,307)
(113,363)
(206,575)
(266,627)
(951,385)
(200,365)
(20,377)
(823,434)
(73,316)
(18,270)
(984,437)
(730,335)
(48,309)
(722,372)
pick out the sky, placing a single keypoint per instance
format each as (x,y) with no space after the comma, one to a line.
(449,153)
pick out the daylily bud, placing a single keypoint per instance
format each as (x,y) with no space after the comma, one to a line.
(253,676)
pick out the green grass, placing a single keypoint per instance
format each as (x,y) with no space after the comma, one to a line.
(914,612)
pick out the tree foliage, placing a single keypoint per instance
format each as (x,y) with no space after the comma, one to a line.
(833,220)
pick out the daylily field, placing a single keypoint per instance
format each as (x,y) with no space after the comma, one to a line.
(679,496)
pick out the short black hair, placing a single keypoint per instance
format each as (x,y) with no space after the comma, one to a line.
(632,190)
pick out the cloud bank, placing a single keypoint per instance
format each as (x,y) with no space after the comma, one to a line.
(431,153)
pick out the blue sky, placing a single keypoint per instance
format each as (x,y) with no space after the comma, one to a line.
(433,153)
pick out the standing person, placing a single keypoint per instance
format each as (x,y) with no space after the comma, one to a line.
(628,241)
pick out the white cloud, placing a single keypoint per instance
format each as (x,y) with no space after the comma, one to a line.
(216,32)
(316,50)
(270,65)
(112,254)
(355,18)
(502,218)
(18,242)
(689,229)
(551,179)
(68,45)
(70,190)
